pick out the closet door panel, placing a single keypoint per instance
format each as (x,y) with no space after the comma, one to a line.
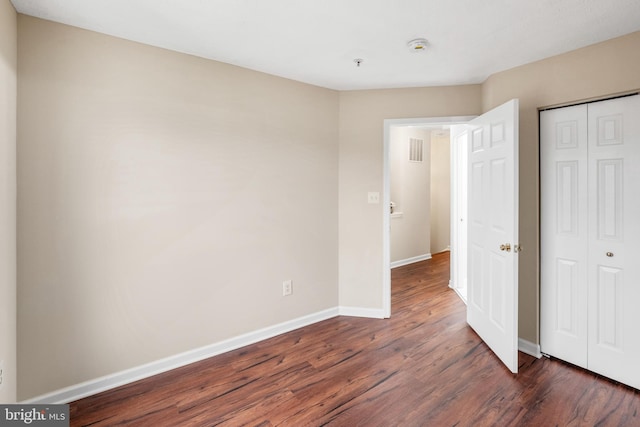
(564,237)
(614,239)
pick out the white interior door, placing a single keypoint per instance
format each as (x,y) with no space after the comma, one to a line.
(492,304)
(614,230)
(564,233)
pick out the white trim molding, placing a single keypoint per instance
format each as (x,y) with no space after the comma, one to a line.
(118,379)
(411,260)
(529,348)
(463,297)
(373,313)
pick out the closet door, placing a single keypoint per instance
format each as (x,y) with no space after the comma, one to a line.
(614,239)
(564,233)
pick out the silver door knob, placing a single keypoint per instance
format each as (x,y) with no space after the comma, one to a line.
(609,254)
(506,247)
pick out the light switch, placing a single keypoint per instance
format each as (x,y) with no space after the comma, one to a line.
(374,197)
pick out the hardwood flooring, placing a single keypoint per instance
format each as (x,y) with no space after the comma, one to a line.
(422,367)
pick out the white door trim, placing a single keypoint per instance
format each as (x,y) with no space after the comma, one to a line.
(386,198)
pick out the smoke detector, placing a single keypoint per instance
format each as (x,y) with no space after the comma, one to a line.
(418,45)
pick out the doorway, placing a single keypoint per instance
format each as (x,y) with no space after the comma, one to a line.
(492,266)
(419,189)
(425,123)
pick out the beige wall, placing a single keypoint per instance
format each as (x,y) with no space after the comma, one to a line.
(410,185)
(163,199)
(8,82)
(362,115)
(596,71)
(440,193)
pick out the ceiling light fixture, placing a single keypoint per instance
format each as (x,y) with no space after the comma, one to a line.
(358,61)
(417,45)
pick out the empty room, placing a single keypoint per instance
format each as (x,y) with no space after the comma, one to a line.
(196,223)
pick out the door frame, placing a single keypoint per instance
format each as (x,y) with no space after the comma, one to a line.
(459,138)
(386,197)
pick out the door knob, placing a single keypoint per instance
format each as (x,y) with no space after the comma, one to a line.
(609,254)
(506,247)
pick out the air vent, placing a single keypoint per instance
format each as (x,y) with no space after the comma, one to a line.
(415,150)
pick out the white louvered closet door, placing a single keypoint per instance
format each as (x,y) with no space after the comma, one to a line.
(590,234)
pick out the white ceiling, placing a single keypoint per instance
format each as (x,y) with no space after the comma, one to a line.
(316,41)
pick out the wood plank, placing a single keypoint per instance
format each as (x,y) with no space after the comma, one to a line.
(423,366)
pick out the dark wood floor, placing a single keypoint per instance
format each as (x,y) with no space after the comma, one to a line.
(422,367)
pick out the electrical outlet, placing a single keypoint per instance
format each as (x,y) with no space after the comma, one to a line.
(287,288)
(1,373)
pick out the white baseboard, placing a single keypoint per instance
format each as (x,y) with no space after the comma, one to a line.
(461,296)
(411,260)
(529,348)
(88,388)
(374,313)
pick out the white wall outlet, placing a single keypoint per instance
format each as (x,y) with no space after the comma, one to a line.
(373,197)
(287,288)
